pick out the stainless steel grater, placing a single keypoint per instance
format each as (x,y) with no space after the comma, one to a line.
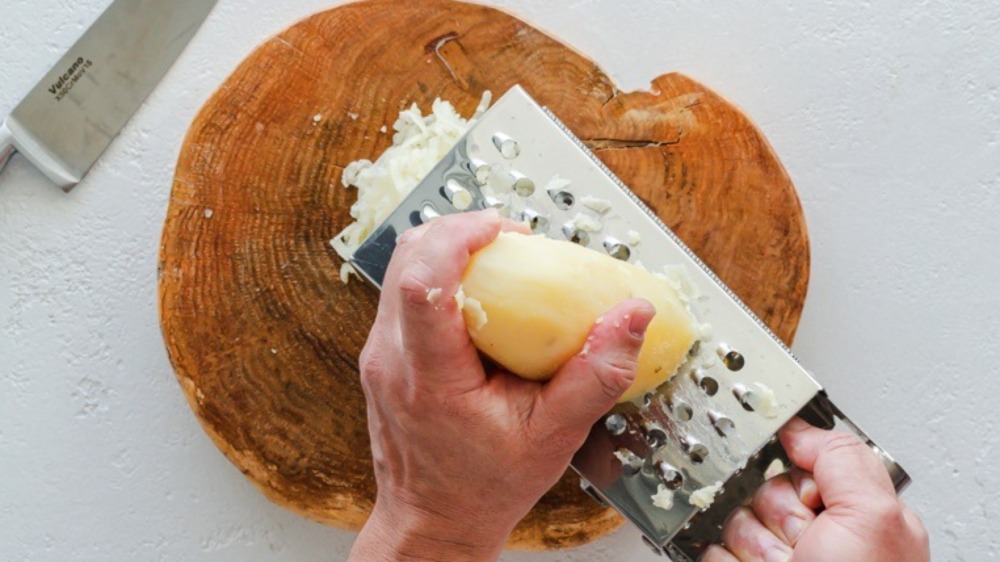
(705,437)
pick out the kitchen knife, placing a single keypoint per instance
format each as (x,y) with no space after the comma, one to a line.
(71,116)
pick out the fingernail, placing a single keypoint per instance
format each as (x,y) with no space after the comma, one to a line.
(777,554)
(807,490)
(793,527)
(639,321)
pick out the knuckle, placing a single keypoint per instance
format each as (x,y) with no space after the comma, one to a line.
(614,374)
(412,288)
(409,236)
(613,383)
(888,511)
(367,355)
(371,363)
(840,442)
(443,226)
(561,440)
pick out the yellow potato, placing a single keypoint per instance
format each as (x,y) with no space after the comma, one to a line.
(540,297)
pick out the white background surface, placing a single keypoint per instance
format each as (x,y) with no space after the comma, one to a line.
(886,114)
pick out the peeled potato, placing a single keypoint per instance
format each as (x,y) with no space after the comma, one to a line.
(540,297)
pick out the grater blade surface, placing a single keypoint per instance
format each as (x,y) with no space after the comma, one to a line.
(708,431)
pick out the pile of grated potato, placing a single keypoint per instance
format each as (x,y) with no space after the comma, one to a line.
(418,144)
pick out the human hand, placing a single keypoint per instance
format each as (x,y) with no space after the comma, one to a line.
(462,453)
(862,518)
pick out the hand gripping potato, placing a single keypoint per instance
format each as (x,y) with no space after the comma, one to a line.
(540,297)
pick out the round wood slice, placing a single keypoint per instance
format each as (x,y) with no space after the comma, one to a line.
(262,334)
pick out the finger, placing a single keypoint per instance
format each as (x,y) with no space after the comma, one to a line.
(777,505)
(847,472)
(716,553)
(450,232)
(917,529)
(805,487)
(406,240)
(411,235)
(421,281)
(514,226)
(590,383)
(751,541)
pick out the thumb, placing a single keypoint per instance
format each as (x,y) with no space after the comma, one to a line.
(847,472)
(591,382)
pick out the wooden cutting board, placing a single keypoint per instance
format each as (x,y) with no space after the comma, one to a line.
(263,336)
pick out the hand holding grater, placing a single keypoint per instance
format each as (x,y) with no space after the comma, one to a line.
(679,459)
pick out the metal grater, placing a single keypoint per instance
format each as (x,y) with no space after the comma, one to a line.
(711,424)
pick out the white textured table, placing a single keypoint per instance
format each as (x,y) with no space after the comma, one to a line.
(886,115)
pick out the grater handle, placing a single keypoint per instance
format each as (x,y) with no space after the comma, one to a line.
(822,412)
(6,145)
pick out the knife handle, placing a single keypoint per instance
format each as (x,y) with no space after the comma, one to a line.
(6,145)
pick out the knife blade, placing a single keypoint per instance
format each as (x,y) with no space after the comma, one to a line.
(70,117)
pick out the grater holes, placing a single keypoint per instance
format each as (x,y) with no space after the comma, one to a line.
(631,463)
(695,449)
(537,222)
(456,193)
(732,359)
(482,171)
(523,186)
(655,436)
(617,250)
(428,213)
(698,454)
(744,396)
(682,410)
(670,476)
(564,200)
(507,146)
(707,383)
(723,425)
(616,424)
(576,235)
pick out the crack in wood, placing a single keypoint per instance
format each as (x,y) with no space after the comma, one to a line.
(437,44)
(618,144)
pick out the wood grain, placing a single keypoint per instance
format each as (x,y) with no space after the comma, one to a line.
(263,336)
